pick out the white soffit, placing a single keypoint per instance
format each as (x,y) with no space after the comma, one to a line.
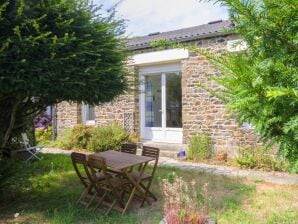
(160,57)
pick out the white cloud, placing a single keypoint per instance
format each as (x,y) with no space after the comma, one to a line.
(147,16)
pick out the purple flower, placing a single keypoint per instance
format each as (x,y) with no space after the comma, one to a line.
(43,121)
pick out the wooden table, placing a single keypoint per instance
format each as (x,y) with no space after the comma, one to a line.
(122,162)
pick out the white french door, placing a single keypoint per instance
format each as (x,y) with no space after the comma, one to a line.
(161,105)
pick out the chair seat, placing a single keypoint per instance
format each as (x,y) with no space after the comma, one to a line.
(100,176)
(137,176)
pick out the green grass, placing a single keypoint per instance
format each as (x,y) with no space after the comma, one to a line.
(46,192)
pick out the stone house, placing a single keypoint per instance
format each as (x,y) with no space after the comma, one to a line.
(169,107)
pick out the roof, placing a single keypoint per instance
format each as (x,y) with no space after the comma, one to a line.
(215,28)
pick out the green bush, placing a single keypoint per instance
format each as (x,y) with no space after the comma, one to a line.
(43,136)
(64,139)
(107,137)
(199,147)
(133,137)
(259,158)
(74,138)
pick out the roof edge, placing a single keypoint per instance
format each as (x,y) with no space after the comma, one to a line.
(188,39)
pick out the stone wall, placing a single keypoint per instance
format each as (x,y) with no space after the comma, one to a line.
(113,112)
(68,115)
(202,112)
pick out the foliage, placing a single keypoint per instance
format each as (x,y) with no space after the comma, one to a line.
(182,203)
(107,137)
(260,158)
(134,137)
(199,147)
(261,83)
(53,51)
(64,139)
(43,121)
(75,138)
(43,135)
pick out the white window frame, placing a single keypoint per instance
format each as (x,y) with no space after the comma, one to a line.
(85,107)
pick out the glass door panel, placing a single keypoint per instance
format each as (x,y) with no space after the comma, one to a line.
(173,100)
(153,101)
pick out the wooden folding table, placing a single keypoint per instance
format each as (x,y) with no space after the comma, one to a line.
(122,162)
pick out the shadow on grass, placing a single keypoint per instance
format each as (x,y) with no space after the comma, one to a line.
(46,192)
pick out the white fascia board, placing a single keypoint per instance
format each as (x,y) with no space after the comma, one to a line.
(156,57)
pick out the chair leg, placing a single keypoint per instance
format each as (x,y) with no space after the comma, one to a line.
(147,191)
(33,155)
(84,193)
(100,200)
(91,200)
(110,208)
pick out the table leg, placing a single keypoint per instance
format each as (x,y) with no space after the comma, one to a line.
(136,187)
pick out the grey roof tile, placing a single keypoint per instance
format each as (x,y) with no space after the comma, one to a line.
(214,28)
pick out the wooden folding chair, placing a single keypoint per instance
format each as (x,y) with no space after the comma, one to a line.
(32,150)
(146,178)
(113,187)
(80,160)
(129,148)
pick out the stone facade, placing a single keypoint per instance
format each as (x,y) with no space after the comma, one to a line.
(68,115)
(204,113)
(201,112)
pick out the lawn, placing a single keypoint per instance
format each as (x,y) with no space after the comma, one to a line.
(46,192)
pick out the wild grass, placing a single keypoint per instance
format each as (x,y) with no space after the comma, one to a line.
(46,192)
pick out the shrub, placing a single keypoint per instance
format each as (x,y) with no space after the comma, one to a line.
(43,136)
(199,147)
(64,139)
(259,158)
(133,137)
(107,137)
(80,136)
(75,138)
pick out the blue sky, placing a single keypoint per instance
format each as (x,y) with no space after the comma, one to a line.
(148,16)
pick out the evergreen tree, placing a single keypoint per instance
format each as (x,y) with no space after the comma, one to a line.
(53,51)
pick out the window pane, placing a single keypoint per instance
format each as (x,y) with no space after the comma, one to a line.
(91,113)
(153,101)
(174,100)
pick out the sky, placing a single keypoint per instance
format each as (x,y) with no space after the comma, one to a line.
(149,16)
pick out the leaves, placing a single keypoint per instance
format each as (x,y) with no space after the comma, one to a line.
(58,50)
(260,84)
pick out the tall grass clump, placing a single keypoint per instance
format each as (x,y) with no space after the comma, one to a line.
(199,147)
(182,202)
(260,158)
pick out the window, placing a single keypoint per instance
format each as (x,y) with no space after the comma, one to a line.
(88,114)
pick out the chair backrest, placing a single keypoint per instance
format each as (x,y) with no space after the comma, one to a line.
(80,159)
(98,165)
(151,152)
(25,139)
(129,148)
